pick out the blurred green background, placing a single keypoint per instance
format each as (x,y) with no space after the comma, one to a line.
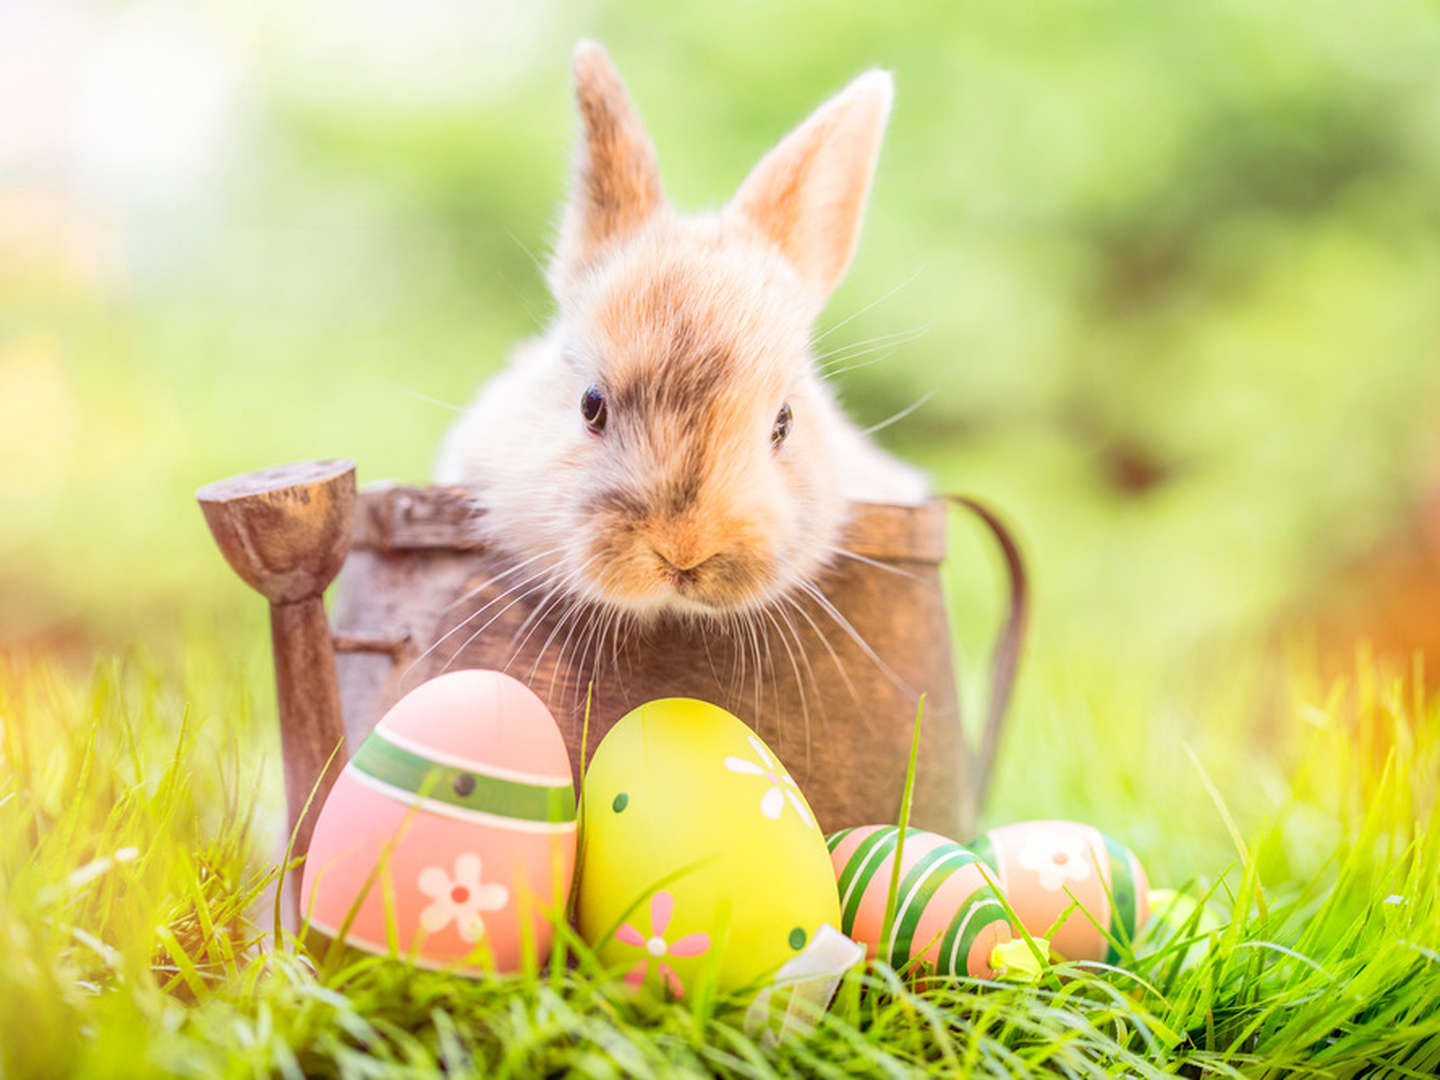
(1171,273)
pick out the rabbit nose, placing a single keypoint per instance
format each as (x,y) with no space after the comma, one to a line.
(681,558)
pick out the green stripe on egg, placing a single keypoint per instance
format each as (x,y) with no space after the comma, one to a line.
(1124,898)
(916,891)
(868,857)
(984,850)
(982,909)
(852,864)
(403,769)
(835,839)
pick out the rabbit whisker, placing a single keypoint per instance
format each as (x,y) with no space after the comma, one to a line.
(555,596)
(572,605)
(856,367)
(873,303)
(586,628)
(830,609)
(901,415)
(876,563)
(799,683)
(488,622)
(873,344)
(423,397)
(825,643)
(495,579)
(562,680)
(477,613)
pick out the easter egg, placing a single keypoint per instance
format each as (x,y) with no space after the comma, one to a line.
(946,913)
(699,852)
(450,834)
(1036,862)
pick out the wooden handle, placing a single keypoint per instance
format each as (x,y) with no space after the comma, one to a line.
(286,532)
(311,730)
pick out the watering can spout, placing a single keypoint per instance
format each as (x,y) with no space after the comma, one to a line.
(286,532)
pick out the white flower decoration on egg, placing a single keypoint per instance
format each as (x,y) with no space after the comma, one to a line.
(459,898)
(1055,858)
(782,788)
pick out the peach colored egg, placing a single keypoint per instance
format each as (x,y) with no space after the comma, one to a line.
(450,835)
(1038,861)
(945,912)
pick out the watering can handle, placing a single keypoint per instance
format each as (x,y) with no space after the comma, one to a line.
(1005,659)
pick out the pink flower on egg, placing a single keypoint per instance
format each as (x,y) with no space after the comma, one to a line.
(662,906)
(782,787)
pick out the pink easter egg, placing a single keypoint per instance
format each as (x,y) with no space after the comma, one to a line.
(450,835)
(1042,864)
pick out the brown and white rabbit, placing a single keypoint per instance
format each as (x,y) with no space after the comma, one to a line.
(669,443)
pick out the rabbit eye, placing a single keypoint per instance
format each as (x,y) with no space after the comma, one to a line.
(784,420)
(592,408)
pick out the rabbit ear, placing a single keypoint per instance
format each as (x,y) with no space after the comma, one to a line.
(616,183)
(808,194)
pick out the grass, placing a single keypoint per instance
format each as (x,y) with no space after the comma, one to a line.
(130,826)
(1145,255)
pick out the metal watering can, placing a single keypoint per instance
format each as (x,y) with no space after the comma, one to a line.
(832,687)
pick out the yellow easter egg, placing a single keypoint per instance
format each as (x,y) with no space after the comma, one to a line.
(699,852)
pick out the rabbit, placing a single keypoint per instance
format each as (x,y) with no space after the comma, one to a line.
(668,444)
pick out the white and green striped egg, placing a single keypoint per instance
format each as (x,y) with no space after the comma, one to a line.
(947,914)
